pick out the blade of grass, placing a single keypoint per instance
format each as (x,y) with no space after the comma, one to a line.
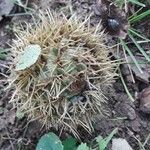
(147,139)
(125,87)
(139,47)
(118,118)
(110,136)
(129,66)
(139,17)
(135,13)
(137,2)
(139,142)
(140,42)
(103,142)
(131,55)
(138,35)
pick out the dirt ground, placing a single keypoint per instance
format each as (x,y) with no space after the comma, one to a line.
(133,123)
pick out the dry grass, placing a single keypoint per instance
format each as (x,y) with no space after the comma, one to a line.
(73,65)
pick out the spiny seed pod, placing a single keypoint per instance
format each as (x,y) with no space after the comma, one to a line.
(59,67)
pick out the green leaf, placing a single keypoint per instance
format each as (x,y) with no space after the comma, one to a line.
(69,143)
(28,57)
(49,142)
(104,142)
(83,146)
(110,136)
(101,142)
(99,139)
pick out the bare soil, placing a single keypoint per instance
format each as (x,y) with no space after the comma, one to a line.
(20,134)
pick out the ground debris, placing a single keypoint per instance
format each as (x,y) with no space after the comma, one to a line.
(114,19)
(123,114)
(5,7)
(7,118)
(120,144)
(126,109)
(144,77)
(144,97)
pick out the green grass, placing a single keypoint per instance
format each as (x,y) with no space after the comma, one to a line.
(122,2)
(136,2)
(142,144)
(125,87)
(103,142)
(126,48)
(134,32)
(138,17)
(137,39)
(138,46)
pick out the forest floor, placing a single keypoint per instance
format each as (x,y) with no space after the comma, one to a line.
(133,123)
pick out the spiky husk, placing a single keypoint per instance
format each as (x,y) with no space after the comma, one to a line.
(63,88)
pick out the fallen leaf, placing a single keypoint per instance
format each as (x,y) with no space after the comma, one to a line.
(28,57)
(120,144)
